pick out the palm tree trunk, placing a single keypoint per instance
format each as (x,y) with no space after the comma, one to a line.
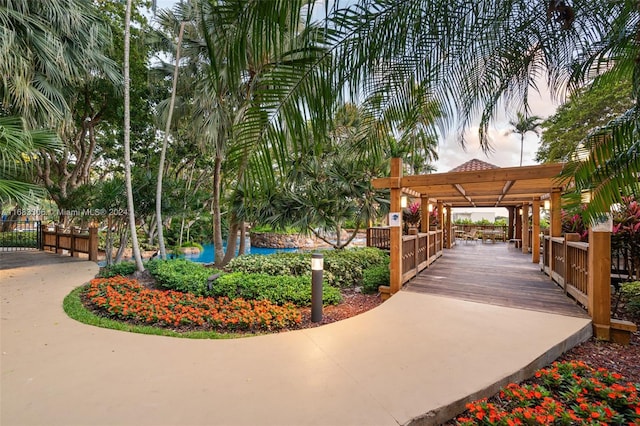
(163,152)
(521,147)
(217,217)
(127,140)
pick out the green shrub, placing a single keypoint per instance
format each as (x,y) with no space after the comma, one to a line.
(276,289)
(631,295)
(181,275)
(192,244)
(345,268)
(342,268)
(374,277)
(296,264)
(123,268)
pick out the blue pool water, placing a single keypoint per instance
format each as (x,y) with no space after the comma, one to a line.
(206,256)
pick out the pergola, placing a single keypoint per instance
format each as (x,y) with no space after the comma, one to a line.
(518,189)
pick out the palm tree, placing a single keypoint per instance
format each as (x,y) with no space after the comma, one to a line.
(523,125)
(45,47)
(19,148)
(127,141)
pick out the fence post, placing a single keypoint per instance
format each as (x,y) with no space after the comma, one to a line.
(73,242)
(93,243)
(59,229)
(40,236)
(599,283)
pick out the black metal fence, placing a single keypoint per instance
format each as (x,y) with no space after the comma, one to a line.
(20,235)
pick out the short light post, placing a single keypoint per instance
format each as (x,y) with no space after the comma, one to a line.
(317,266)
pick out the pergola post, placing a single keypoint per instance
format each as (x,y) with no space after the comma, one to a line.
(535,233)
(510,235)
(449,229)
(518,224)
(441,223)
(555,225)
(599,283)
(525,228)
(424,213)
(395,243)
(424,221)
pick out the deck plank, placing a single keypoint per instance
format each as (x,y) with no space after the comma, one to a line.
(496,274)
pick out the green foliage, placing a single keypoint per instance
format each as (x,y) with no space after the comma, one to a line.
(631,295)
(274,230)
(295,264)
(583,112)
(342,268)
(192,244)
(374,277)
(181,275)
(345,268)
(123,268)
(277,289)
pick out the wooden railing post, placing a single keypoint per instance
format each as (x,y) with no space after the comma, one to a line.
(59,229)
(72,238)
(599,283)
(93,244)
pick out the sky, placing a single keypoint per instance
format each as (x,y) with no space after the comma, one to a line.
(505,146)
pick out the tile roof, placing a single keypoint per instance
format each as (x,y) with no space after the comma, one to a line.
(474,165)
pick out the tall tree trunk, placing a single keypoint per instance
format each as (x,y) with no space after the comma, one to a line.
(232,241)
(127,140)
(217,216)
(521,147)
(163,153)
(243,238)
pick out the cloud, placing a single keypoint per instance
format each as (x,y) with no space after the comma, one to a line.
(505,146)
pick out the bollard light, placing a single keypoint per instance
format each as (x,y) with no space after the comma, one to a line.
(317,266)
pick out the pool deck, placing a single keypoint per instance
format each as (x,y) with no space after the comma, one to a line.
(416,359)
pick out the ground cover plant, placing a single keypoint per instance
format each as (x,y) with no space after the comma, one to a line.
(565,393)
(125,299)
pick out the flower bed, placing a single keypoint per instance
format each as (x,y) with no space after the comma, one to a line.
(567,393)
(124,298)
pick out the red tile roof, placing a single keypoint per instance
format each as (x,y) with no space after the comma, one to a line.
(474,165)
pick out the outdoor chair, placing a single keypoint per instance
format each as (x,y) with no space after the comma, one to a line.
(471,236)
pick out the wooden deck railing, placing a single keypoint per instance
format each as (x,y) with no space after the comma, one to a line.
(73,240)
(379,236)
(568,266)
(576,271)
(418,250)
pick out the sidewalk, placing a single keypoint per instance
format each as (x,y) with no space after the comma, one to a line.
(413,355)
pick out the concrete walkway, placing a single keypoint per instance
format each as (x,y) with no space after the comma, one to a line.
(416,358)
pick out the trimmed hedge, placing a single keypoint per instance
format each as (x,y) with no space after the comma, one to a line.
(278,289)
(181,275)
(342,268)
(123,269)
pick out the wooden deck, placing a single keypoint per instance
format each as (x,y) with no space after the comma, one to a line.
(497,274)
